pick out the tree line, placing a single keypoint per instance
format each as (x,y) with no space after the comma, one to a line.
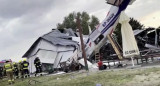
(92,21)
(86,21)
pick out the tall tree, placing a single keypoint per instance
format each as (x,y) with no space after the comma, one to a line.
(84,22)
(135,24)
(70,22)
(94,21)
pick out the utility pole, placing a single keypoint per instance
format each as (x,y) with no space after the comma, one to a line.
(156,38)
(82,43)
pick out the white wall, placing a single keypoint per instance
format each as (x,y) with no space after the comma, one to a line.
(44,56)
(57,60)
(64,48)
(47,45)
(43,44)
(47,56)
(32,68)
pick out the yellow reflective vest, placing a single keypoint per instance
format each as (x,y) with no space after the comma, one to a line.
(8,67)
(25,65)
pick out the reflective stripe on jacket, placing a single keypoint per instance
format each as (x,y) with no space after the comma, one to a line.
(8,67)
(25,65)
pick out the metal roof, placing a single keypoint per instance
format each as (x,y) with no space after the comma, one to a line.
(55,37)
(136,32)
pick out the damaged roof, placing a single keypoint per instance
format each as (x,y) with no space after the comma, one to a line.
(55,37)
(58,38)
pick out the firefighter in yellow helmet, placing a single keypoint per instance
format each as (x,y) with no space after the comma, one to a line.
(20,69)
(25,68)
(16,71)
(9,71)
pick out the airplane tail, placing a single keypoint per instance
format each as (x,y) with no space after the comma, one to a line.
(131,2)
(114,2)
(118,2)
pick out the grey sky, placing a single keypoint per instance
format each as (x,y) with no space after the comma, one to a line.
(23,21)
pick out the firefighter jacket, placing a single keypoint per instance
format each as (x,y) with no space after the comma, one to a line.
(8,66)
(15,66)
(37,63)
(25,65)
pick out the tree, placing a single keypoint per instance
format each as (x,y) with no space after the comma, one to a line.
(118,34)
(84,22)
(134,24)
(70,22)
(94,21)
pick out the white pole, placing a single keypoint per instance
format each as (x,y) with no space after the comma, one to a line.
(132,61)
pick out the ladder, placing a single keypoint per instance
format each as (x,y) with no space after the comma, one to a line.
(97,55)
(115,47)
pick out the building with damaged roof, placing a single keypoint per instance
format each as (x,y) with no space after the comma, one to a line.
(53,48)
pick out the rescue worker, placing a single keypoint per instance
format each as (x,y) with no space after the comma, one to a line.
(100,65)
(20,69)
(25,68)
(38,65)
(1,72)
(9,71)
(16,71)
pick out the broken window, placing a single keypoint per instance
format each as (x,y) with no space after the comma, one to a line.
(99,39)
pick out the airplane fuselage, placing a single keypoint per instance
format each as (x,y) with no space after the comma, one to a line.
(98,37)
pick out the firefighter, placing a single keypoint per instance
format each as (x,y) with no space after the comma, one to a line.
(25,68)
(9,71)
(20,69)
(16,71)
(38,66)
(1,72)
(100,63)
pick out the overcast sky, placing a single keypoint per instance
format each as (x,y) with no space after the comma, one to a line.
(23,21)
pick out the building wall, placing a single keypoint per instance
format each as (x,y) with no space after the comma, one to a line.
(43,44)
(32,68)
(45,56)
(49,53)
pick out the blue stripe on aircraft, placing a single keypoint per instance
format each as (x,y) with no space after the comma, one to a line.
(121,8)
(111,23)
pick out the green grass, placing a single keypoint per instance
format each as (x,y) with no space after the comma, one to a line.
(106,78)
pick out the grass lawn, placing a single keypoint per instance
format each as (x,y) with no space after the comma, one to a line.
(125,77)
